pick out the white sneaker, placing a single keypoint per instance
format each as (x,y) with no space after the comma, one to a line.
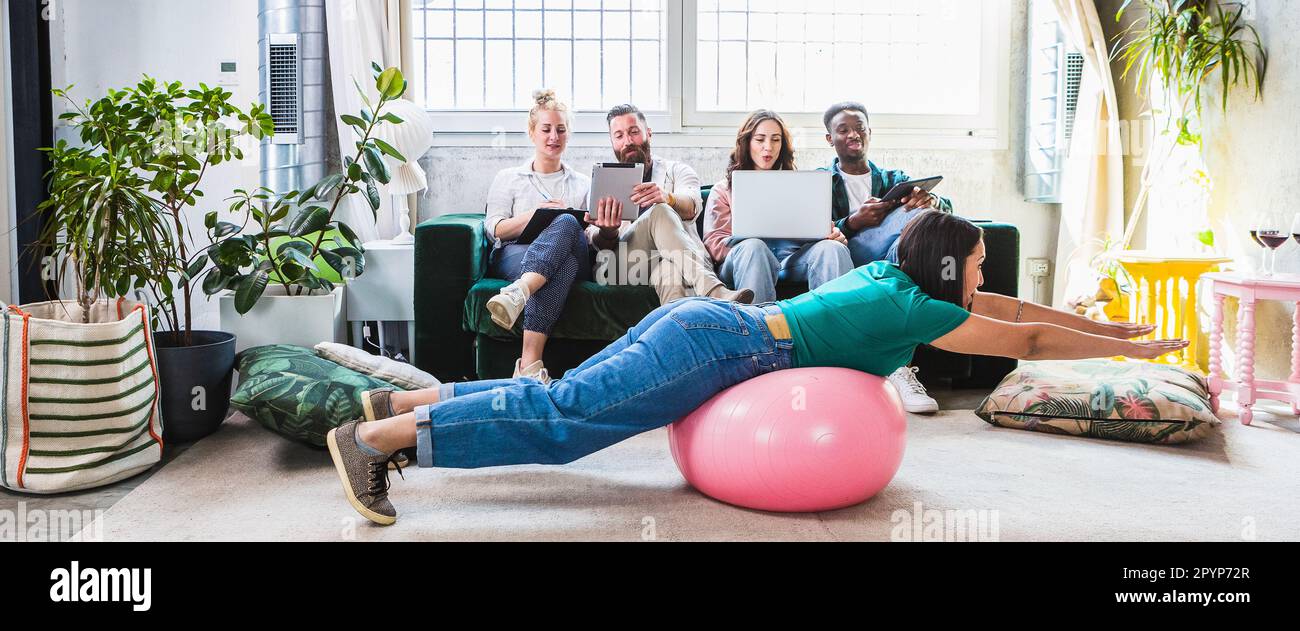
(742,296)
(534,371)
(507,306)
(915,400)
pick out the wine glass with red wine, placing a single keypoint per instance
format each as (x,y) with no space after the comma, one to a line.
(1270,232)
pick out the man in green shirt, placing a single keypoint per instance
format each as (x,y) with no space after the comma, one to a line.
(871,226)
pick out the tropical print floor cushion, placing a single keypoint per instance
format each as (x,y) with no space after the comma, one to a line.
(1129,401)
(294,392)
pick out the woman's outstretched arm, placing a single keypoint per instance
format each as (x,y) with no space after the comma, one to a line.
(981,335)
(999,307)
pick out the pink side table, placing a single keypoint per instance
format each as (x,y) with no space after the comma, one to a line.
(1250,290)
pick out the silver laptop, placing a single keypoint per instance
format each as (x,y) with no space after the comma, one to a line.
(781,205)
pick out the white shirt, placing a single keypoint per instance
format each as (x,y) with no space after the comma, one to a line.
(520,189)
(859,189)
(679,180)
(674,178)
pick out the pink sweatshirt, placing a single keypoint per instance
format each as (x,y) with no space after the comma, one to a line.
(717,222)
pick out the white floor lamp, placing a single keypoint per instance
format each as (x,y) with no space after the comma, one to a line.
(412,138)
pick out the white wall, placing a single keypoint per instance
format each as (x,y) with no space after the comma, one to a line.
(983,184)
(100,44)
(97,45)
(1253,154)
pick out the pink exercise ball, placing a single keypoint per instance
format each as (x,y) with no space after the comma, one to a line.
(795,441)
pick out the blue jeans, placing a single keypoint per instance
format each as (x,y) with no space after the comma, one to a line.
(881,243)
(757,264)
(560,254)
(675,360)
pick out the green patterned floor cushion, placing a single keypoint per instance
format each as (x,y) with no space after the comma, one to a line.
(294,392)
(1130,401)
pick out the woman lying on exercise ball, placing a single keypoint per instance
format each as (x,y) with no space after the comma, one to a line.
(686,352)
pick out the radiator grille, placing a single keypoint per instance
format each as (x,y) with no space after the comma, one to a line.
(285,89)
(1073,78)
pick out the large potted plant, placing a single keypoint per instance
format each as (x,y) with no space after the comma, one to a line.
(145,151)
(279,270)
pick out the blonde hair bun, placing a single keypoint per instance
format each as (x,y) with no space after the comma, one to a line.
(544,97)
(545,100)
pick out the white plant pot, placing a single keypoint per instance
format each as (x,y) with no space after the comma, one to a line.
(282,319)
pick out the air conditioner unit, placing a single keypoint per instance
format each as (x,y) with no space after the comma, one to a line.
(1054,73)
(1073,79)
(284,86)
(295,90)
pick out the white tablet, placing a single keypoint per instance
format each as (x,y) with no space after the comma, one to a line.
(616,180)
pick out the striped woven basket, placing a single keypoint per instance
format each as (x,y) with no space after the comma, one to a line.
(79,402)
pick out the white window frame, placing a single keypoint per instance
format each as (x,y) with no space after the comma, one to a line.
(684,125)
(8,200)
(473,126)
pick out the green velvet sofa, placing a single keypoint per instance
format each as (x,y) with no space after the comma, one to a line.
(456,340)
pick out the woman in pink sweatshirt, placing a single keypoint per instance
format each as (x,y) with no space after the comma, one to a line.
(764,143)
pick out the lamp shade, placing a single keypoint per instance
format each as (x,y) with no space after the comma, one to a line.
(412,139)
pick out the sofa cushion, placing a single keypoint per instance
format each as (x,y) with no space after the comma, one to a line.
(1130,401)
(593,312)
(400,374)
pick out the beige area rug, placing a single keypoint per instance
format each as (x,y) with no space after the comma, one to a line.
(960,479)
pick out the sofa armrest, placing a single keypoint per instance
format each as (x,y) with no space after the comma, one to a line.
(451,255)
(1001,276)
(1002,262)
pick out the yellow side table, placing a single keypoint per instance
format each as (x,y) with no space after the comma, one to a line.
(1165,295)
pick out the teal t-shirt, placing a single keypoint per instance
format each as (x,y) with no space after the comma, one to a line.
(871,319)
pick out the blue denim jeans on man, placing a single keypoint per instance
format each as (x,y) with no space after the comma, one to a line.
(881,243)
(675,360)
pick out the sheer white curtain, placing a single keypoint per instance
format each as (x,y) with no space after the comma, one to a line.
(362,32)
(1093,192)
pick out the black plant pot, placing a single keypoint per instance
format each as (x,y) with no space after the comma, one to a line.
(208,363)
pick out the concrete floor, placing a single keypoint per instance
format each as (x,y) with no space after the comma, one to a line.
(104,498)
(100,499)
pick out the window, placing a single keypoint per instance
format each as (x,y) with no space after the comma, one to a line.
(492,54)
(933,72)
(799,56)
(802,55)
(1055,71)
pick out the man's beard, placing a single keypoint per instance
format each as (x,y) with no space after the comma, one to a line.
(637,154)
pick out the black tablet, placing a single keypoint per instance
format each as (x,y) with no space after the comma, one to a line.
(903,189)
(542,220)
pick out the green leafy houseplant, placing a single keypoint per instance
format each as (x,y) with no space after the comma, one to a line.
(98,222)
(1182,44)
(117,203)
(287,251)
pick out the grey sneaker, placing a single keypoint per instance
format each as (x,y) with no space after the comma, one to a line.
(365,478)
(378,404)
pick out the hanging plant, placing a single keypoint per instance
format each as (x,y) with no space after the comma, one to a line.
(1181,45)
